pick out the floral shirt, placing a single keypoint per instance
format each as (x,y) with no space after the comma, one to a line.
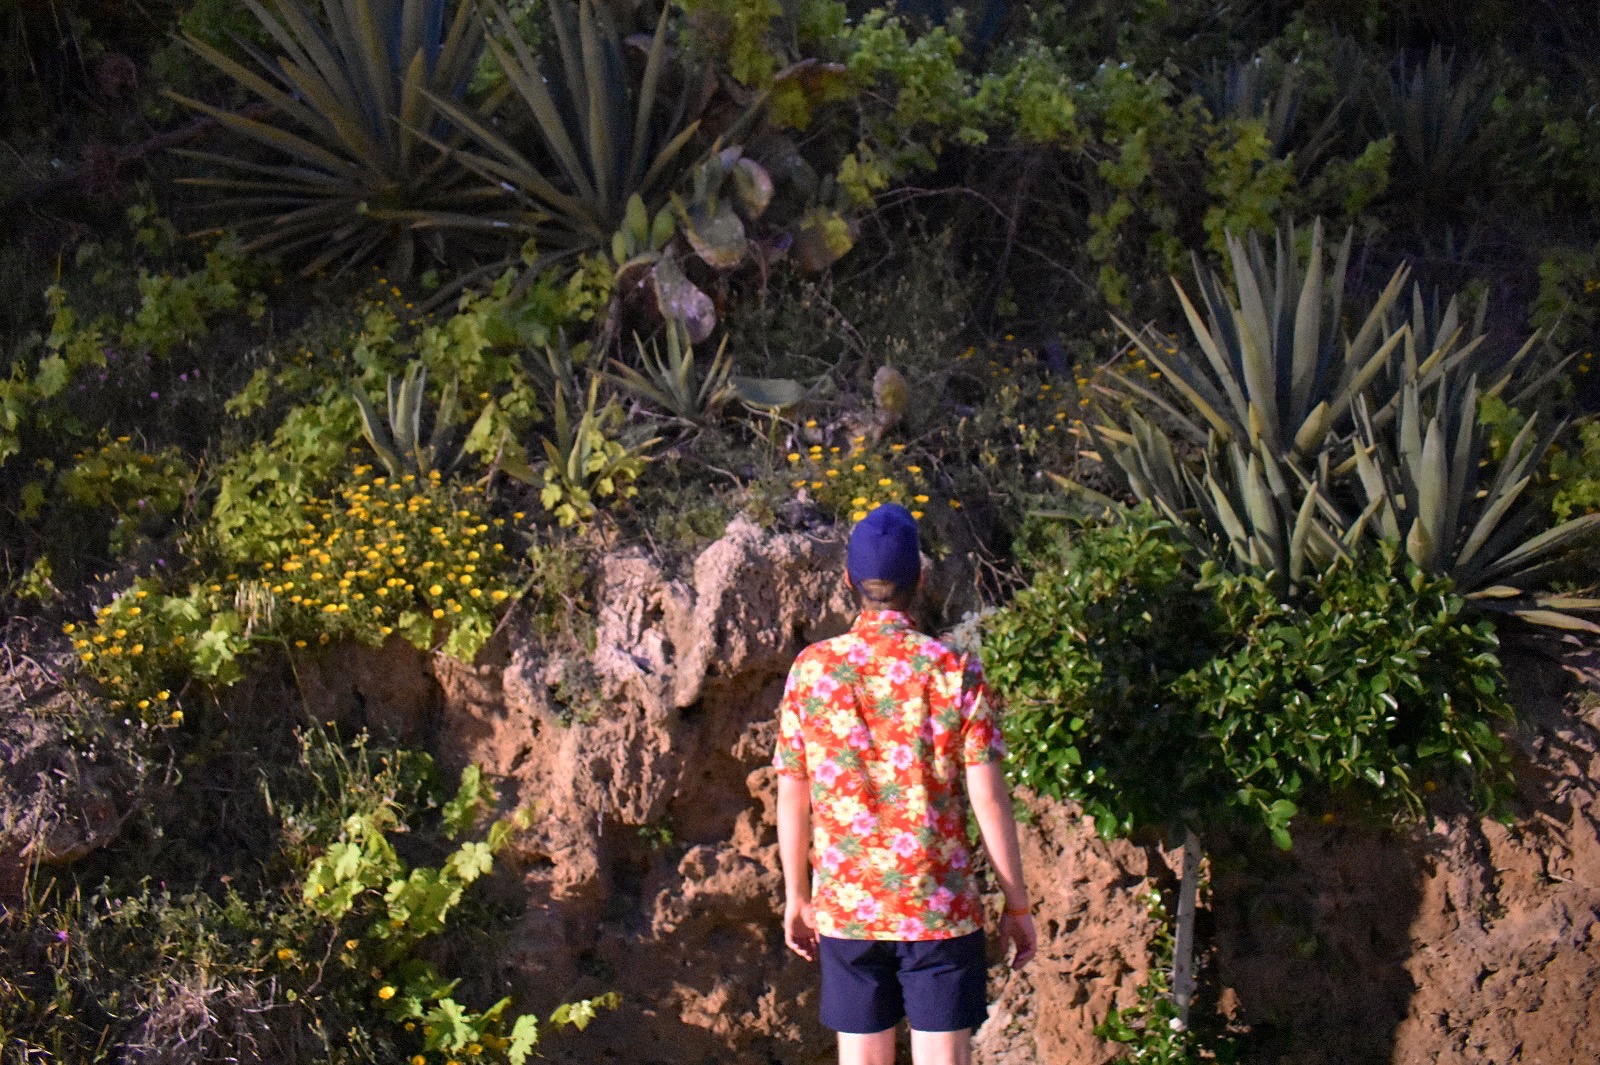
(882,722)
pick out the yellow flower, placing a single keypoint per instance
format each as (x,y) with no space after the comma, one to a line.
(955,504)
(177,717)
(917,514)
(884,482)
(498,594)
(794,456)
(913,469)
(435,589)
(858,515)
(69,627)
(858,468)
(386,992)
(284,953)
(418,1059)
(438,613)
(351,944)
(143,704)
(859,501)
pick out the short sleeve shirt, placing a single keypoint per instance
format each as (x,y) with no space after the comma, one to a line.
(882,722)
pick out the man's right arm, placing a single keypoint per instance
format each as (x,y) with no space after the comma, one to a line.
(997,826)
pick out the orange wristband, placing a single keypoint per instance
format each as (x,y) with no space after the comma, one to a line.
(1024,912)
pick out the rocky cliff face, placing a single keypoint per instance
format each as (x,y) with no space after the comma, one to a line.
(652,867)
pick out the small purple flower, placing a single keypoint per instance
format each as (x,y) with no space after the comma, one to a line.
(155,395)
(183,377)
(61,936)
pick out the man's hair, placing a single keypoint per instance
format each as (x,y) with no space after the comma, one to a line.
(885,594)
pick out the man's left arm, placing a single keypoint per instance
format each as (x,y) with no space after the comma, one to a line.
(794,822)
(794,850)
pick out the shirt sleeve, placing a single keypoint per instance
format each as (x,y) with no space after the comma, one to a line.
(981,739)
(789,756)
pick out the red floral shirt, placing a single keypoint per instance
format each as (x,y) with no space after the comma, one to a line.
(882,722)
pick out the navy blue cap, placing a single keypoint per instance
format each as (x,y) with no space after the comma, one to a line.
(883,547)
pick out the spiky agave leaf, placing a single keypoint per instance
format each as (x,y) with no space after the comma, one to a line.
(1426,480)
(670,382)
(398,441)
(605,137)
(352,102)
(1273,520)
(1278,370)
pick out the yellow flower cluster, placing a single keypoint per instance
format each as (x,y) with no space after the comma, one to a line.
(855,481)
(414,557)
(408,555)
(138,648)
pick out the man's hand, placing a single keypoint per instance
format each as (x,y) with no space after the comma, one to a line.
(800,929)
(1018,932)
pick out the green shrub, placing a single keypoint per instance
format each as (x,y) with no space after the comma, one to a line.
(1155,692)
(138,489)
(330,953)
(415,557)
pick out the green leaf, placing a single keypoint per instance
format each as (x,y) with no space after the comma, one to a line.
(524,1037)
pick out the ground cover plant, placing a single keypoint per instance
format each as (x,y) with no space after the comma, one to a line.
(1290,307)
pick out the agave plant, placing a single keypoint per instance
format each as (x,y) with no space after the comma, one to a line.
(1439,124)
(1429,488)
(1248,91)
(1279,371)
(670,382)
(597,138)
(351,102)
(399,440)
(1272,519)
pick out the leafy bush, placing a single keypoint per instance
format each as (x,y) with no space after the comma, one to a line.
(409,556)
(140,490)
(1155,692)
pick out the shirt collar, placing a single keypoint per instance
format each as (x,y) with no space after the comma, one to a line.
(881,619)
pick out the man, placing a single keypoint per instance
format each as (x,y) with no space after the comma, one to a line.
(885,737)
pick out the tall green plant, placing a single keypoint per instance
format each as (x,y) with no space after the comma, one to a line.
(586,136)
(345,111)
(1429,486)
(1279,369)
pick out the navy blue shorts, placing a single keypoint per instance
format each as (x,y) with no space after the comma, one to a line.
(940,985)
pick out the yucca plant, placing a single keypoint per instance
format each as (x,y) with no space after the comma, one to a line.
(669,381)
(399,440)
(1429,487)
(353,99)
(593,137)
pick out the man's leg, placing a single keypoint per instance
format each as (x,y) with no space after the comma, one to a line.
(874,1049)
(941,1048)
